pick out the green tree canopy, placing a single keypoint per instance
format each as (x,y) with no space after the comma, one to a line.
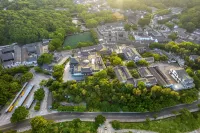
(39,94)
(39,124)
(26,77)
(100,119)
(45,58)
(20,114)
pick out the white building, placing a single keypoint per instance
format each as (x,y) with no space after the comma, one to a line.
(182,78)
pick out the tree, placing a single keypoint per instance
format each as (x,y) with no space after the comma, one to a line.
(58,71)
(135,74)
(26,77)
(170,25)
(145,20)
(141,85)
(55,44)
(190,72)
(116,61)
(110,72)
(10,131)
(142,63)
(173,36)
(39,124)
(91,23)
(20,114)
(100,119)
(116,124)
(39,94)
(130,64)
(127,27)
(45,58)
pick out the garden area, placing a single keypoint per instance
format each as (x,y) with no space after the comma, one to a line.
(75,40)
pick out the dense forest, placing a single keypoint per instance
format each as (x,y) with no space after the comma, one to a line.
(11,81)
(27,26)
(37,4)
(33,20)
(190,19)
(101,93)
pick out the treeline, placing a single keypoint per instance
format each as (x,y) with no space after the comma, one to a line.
(102,94)
(163,12)
(157,57)
(184,49)
(92,20)
(145,21)
(41,125)
(27,26)
(190,19)
(190,122)
(37,4)
(94,35)
(11,83)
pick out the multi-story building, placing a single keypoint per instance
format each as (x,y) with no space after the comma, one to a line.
(181,77)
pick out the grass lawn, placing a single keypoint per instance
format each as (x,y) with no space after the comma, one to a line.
(183,123)
(73,40)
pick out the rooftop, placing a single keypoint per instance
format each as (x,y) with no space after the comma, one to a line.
(7,50)
(144,72)
(122,73)
(7,56)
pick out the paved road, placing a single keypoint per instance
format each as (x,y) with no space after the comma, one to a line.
(124,117)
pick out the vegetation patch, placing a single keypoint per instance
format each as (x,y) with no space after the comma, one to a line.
(184,123)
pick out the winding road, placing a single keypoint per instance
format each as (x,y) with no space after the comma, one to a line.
(121,116)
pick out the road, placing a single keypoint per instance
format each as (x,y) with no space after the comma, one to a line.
(123,117)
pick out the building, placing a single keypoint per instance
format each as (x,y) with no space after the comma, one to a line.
(149,59)
(113,33)
(123,74)
(140,36)
(144,72)
(47,67)
(7,50)
(193,57)
(182,78)
(86,63)
(7,57)
(147,81)
(131,53)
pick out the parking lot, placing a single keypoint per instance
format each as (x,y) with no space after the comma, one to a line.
(5,117)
